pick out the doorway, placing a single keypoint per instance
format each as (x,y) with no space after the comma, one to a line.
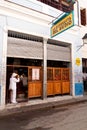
(23,67)
(84,67)
(22,91)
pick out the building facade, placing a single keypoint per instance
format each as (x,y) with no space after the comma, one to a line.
(83,10)
(53,65)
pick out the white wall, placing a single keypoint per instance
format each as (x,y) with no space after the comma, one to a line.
(3,51)
(26,20)
(83,29)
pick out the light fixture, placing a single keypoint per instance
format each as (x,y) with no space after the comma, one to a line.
(84,42)
(85,39)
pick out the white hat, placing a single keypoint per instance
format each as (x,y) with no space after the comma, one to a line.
(14,74)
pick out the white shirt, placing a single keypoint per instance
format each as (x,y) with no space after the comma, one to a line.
(13,82)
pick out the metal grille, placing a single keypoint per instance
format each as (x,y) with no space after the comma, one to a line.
(24,36)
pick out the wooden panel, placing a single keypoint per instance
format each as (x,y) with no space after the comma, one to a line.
(57,74)
(35,81)
(38,87)
(34,89)
(31,90)
(50,90)
(65,74)
(49,74)
(83,16)
(57,88)
(65,87)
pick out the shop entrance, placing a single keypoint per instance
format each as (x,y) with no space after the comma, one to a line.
(58,82)
(33,77)
(22,89)
(58,78)
(29,70)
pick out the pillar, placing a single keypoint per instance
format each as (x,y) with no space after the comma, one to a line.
(3,53)
(45,68)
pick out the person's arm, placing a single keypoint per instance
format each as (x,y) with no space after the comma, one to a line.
(16,79)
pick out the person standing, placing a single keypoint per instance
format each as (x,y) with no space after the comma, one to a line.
(13,86)
(24,80)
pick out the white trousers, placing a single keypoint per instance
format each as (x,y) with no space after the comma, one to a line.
(13,96)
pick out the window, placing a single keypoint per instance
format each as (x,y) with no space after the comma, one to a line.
(83,16)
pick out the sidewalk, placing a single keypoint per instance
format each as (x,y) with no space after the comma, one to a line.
(36,104)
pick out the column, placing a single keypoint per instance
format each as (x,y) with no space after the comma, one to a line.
(45,68)
(3,53)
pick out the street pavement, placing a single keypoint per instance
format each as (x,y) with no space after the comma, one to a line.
(36,104)
(66,117)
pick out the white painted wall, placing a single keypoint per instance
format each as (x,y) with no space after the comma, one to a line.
(27,20)
(3,51)
(83,4)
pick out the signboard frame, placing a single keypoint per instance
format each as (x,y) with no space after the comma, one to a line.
(59,21)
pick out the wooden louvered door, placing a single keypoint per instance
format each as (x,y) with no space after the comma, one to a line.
(34,82)
(65,81)
(57,81)
(83,16)
(50,85)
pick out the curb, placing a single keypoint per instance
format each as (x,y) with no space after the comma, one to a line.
(42,106)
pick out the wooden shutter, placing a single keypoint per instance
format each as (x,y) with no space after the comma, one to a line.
(83,16)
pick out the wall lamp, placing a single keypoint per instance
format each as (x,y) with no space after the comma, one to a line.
(84,39)
(84,42)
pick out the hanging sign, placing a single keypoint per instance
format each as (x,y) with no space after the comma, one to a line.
(62,24)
